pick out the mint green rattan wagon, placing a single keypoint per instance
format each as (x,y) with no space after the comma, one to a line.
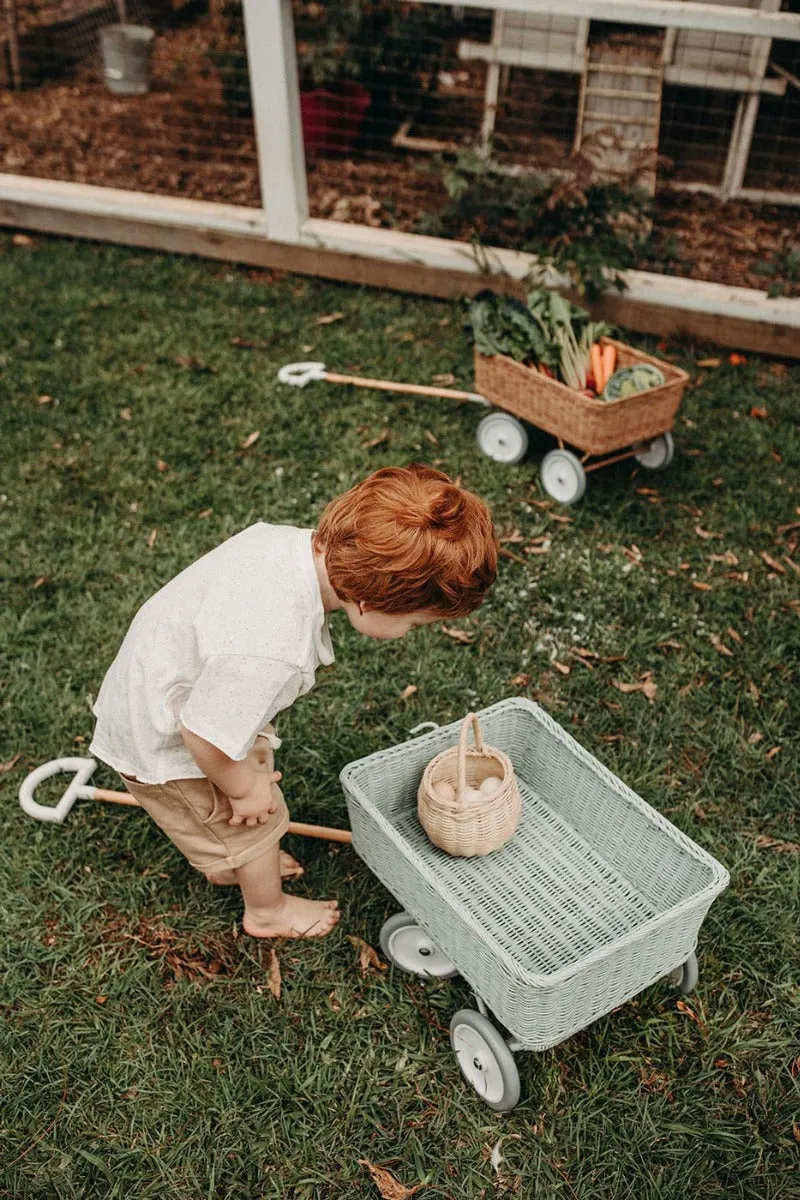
(596,897)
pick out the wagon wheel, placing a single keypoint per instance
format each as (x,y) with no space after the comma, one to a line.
(407,946)
(657,454)
(563,476)
(686,975)
(503,438)
(485,1060)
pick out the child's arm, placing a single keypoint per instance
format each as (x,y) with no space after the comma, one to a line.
(249,792)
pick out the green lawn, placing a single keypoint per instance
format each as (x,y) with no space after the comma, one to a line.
(143,1054)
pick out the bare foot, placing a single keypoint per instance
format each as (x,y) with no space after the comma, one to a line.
(290,869)
(293,918)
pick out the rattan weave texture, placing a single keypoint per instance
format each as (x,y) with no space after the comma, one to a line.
(594,898)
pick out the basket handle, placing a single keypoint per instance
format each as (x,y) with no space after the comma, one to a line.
(469,720)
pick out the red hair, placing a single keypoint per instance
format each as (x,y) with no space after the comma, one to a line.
(407,539)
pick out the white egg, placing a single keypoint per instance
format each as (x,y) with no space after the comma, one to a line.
(490,785)
(473,796)
(445,791)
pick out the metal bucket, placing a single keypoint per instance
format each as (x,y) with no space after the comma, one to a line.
(126,58)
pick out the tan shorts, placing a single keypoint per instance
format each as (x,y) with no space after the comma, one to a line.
(194,815)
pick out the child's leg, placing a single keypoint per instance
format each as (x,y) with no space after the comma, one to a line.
(269,912)
(290,869)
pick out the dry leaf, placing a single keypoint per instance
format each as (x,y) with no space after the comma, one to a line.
(796,1130)
(737,360)
(521,680)
(329,318)
(731,632)
(670,644)
(773,752)
(201,516)
(709,362)
(753,690)
(409,691)
(366,955)
(701,587)
(151,538)
(100,999)
(382,437)
(562,667)
(683,1007)
(773,563)
(432,438)
(754,738)
(719,645)
(705,534)
(459,635)
(728,557)
(45,400)
(769,843)
(42,579)
(504,553)
(645,685)
(274,974)
(444,380)
(125,414)
(190,362)
(650,690)
(10,764)
(246,344)
(251,439)
(760,414)
(162,466)
(389,1187)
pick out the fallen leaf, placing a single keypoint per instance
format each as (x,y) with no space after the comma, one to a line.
(22,239)
(773,563)
(769,843)
(366,955)
(201,516)
(432,438)
(274,974)
(329,318)
(459,635)
(382,437)
(753,690)
(645,685)
(772,753)
(683,1007)
(151,538)
(701,587)
(389,1187)
(775,456)
(695,453)
(562,667)
(444,380)
(561,518)
(670,644)
(251,439)
(728,557)
(718,644)
(504,553)
(190,362)
(409,691)
(705,534)
(45,400)
(246,344)
(518,681)
(9,764)
(731,632)
(709,362)
(162,466)
(125,414)
(737,360)
(760,414)
(604,547)
(100,999)
(42,579)
(796,1130)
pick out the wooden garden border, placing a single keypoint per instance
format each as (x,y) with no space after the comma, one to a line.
(281,235)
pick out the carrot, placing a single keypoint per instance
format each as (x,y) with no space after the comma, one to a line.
(596,356)
(609,362)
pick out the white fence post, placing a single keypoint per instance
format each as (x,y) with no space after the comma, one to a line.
(272,59)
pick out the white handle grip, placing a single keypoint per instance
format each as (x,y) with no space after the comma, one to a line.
(83,769)
(299,374)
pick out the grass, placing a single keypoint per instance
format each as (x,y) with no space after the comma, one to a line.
(142,1051)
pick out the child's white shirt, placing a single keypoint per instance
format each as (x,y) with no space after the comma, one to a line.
(223,647)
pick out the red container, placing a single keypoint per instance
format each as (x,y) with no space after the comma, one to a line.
(332,117)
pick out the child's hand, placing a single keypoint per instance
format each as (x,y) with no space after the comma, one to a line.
(256,806)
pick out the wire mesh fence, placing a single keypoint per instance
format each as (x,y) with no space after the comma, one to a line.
(675,150)
(66,114)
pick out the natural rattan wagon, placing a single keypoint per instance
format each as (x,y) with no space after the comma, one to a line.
(601,431)
(596,897)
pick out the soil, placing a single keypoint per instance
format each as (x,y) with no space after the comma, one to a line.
(182,139)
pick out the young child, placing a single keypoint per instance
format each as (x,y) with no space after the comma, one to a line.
(233,640)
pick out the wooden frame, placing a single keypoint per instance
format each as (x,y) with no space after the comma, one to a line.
(280,235)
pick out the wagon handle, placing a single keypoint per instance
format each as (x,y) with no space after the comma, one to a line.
(469,719)
(80,789)
(301,373)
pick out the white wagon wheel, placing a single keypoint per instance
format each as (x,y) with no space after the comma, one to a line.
(686,975)
(503,438)
(407,946)
(563,476)
(485,1060)
(657,454)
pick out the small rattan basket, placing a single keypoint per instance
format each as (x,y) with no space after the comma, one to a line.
(466,827)
(594,426)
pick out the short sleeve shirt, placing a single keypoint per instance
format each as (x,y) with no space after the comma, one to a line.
(222,648)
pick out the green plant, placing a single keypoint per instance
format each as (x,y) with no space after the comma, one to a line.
(783,269)
(590,231)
